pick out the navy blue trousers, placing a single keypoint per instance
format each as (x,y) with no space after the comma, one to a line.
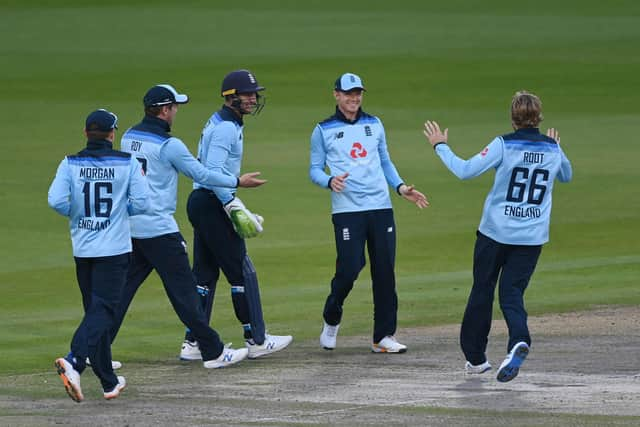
(376,229)
(101,280)
(216,246)
(514,265)
(167,254)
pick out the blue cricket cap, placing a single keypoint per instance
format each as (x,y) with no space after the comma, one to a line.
(163,95)
(349,81)
(101,120)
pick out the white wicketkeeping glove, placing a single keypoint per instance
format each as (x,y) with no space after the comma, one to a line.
(246,223)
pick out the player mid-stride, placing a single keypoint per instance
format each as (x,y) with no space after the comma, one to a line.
(513,228)
(157,242)
(98,189)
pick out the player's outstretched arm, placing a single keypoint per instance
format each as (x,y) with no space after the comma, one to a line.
(250,180)
(175,152)
(553,133)
(566,172)
(434,134)
(488,158)
(414,196)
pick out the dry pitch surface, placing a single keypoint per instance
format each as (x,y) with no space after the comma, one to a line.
(583,369)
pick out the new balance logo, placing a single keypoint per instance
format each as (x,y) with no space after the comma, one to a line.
(227,357)
(339,135)
(345,234)
(271,345)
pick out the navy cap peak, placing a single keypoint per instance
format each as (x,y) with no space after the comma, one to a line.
(163,94)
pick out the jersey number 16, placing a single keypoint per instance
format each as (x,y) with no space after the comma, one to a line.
(101,204)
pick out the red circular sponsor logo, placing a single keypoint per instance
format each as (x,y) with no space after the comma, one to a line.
(357,150)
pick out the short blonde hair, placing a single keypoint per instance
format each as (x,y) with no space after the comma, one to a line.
(526,110)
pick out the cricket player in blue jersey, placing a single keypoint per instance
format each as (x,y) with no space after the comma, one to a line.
(513,228)
(353,145)
(98,188)
(157,242)
(221,222)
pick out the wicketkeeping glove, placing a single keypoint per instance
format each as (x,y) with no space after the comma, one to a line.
(246,223)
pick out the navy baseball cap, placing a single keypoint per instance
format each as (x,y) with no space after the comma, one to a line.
(101,120)
(163,95)
(349,81)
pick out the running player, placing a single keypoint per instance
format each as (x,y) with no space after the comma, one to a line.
(98,188)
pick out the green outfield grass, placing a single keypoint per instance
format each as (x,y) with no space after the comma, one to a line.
(457,62)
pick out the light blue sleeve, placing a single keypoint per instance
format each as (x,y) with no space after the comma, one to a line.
(388,168)
(488,158)
(566,172)
(318,159)
(175,152)
(218,147)
(138,193)
(59,197)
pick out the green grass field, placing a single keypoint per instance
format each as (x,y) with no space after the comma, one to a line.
(454,61)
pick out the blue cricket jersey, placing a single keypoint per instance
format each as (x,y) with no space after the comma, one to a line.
(220,149)
(517,210)
(360,148)
(162,157)
(98,189)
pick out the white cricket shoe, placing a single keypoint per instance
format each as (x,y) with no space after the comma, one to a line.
(328,336)
(477,369)
(271,344)
(388,344)
(114,364)
(70,378)
(228,357)
(190,351)
(122,383)
(511,365)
